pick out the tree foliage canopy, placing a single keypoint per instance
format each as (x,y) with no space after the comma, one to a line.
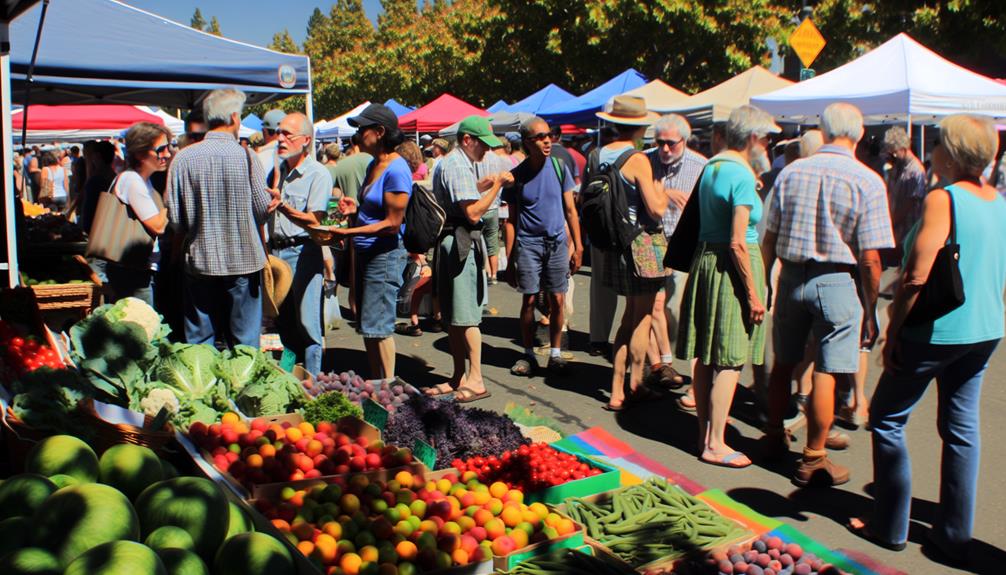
(484,50)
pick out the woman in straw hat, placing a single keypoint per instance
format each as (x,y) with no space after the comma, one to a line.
(722,310)
(647,204)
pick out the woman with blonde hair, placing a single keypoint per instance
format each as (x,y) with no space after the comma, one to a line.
(949,343)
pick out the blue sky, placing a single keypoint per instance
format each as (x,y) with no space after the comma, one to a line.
(252,21)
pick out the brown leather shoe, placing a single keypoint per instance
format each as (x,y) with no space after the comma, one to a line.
(837,441)
(820,472)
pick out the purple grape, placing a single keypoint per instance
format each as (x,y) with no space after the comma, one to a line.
(398,389)
(344,378)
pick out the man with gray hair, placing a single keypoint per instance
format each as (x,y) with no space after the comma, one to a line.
(676,169)
(827,220)
(304,186)
(267,154)
(217,201)
(542,211)
(906,186)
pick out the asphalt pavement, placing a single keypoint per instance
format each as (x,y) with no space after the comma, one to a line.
(666,434)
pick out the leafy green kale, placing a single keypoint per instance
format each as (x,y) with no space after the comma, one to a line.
(331,406)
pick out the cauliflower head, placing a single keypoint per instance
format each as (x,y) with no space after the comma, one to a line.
(158,398)
(137,311)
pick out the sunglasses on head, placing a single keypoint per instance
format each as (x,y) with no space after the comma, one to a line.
(538,137)
(671,143)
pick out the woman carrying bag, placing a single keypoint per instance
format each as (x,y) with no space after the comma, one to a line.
(131,216)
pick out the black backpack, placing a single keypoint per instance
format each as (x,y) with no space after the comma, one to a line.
(424,220)
(604,208)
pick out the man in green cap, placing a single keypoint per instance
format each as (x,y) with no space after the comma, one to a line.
(459,281)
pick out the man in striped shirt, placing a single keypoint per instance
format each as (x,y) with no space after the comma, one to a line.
(827,219)
(217,202)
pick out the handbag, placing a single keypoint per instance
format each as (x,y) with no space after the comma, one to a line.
(48,191)
(685,239)
(117,234)
(648,251)
(943,291)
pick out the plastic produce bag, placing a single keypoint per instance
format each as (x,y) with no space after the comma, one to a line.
(331,315)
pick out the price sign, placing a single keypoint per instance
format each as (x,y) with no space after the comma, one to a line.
(425,453)
(374,414)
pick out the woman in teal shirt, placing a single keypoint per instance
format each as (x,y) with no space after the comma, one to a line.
(954,349)
(722,309)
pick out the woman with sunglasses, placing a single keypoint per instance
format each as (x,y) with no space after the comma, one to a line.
(148,151)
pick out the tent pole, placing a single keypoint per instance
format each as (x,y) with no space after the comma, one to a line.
(7,157)
(922,142)
(309,101)
(908,128)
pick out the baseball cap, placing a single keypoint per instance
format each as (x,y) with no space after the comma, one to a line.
(375,115)
(513,137)
(441,143)
(426,138)
(479,127)
(272,119)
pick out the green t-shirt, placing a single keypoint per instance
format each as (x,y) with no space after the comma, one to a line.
(349,172)
(726,183)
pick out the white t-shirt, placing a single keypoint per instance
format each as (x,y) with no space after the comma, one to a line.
(138,194)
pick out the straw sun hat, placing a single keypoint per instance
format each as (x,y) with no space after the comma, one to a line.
(277,279)
(627,111)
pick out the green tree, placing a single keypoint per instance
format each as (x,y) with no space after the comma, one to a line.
(283,42)
(198,22)
(340,47)
(214,27)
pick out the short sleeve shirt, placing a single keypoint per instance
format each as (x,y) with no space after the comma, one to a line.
(138,194)
(539,197)
(829,207)
(454,181)
(349,173)
(727,183)
(305,188)
(491,164)
(395,179)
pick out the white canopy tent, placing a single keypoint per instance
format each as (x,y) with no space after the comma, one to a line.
(900,81)
(715,104)
(339,127)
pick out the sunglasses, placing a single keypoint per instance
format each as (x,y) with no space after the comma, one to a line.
(538,137)
(159,150)
(290,135)
(670,143)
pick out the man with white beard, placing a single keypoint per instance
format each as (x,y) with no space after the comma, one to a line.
(303,190)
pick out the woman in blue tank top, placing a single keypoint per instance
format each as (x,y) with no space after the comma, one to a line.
(953,349)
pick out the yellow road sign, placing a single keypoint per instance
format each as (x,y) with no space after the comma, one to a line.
(807,42)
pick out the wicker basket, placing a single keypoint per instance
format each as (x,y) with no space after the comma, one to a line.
(83,296)
(108,434)
(19,438)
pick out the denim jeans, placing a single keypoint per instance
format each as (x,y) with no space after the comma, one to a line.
(237,300)
(958,370)
(378,279)
(299,321)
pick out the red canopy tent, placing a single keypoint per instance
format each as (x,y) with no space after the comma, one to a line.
(98,117)
(438,114)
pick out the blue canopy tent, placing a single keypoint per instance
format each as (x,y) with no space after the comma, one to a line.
(581,110)
(252,122)
(141,58)
(399,109)
(543,99)
(499,106)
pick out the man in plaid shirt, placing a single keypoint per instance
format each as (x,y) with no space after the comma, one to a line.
(826,222)
(217,202)
(676,169)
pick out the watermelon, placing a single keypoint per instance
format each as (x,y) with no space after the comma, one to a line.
(182,562)
(30,561)
(62,480)
(240,522)
(169,537)
(117,558)
(63,454)
(14,532)
(79,517)
(195,504)
(253,554)
(130,468)
(21,495)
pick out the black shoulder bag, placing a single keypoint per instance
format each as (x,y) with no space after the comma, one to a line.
(944,288)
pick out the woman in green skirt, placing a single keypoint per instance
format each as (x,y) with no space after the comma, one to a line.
(722,308)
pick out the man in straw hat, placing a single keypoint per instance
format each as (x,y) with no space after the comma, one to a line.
(458,261)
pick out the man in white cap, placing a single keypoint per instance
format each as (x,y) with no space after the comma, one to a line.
(267,156)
